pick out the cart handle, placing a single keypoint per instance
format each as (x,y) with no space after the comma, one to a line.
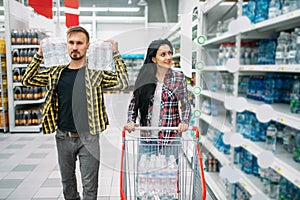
(148,128)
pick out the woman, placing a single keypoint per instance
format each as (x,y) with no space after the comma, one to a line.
(160,93)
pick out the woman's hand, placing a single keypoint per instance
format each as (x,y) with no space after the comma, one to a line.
(182,127)
(131,126)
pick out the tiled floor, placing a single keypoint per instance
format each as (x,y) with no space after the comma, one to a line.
(29,168)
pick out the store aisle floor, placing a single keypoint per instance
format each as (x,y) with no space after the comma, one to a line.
(29,168)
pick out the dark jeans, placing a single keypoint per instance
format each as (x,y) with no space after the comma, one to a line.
(88,151)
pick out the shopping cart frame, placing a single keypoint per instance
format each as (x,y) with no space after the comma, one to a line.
(123,187)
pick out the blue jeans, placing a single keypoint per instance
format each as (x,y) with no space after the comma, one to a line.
(87,149)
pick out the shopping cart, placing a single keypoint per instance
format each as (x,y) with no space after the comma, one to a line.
(168,168)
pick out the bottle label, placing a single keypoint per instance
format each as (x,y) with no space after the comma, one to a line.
(292,54)
(279,55)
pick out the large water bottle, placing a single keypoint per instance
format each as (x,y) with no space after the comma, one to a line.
(293,5)
(271,135)
(261,11)
(292,49)
(274,185)
(281,49)
(296,153)
(269,89)
(295,96)
(274,8)
(285,7)
(251,10)
(221,55)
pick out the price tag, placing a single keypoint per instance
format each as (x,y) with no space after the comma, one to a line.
(283,68)
(252,68)
(252,109)
(242,67)
(279,170)
(282,120)
(267,68)
(244,185)
(245,146)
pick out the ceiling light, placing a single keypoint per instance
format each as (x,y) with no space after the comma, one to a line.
(142,3)
(129,2)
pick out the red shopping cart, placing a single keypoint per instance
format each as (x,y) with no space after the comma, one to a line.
(161,168)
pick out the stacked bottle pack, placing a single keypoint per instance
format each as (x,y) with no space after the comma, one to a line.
(260,10)
(157,175)
(273,88)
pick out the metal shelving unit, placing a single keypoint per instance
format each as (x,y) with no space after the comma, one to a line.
(3,94)
(283,163)
(17,16)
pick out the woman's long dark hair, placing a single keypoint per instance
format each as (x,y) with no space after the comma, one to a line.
(145,83)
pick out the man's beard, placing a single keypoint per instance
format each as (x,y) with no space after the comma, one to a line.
(76,57)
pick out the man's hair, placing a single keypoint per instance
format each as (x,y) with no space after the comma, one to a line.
(74,29)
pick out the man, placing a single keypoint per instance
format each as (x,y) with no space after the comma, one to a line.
(74,108)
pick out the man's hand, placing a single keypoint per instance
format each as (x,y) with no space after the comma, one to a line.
(115,44)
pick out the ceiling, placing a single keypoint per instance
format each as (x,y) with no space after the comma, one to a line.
(155,8)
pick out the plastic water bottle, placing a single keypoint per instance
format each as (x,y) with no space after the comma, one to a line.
(281,49)
(261,11)
(296,153)
(274,185)
(271,137)
(293,5)
(269,89)
(251,10)
(295,96)
(265,174)
(285,7)
(297,32)
(221,54)
(274,8)
(292,49)
(142,176)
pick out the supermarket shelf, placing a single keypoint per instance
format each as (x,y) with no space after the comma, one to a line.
(282,22)
(281,113)
(270,68)
(285,21)
(16,84)
(220,95)
(250,183)
(283,163)
(23,102)
(219,122)
(215,68)
(213,180)
(27,129)
(24,46)
(225,37)
(210,4)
